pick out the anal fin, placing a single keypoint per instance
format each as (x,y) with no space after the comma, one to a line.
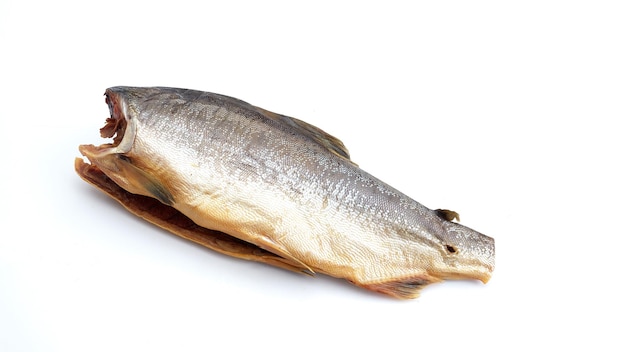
(407,288)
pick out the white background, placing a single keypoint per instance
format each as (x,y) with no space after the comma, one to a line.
(511,114)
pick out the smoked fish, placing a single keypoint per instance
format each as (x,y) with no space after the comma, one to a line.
(262,186)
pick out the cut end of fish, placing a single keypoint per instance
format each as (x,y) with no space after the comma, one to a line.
(120,126)
(410,288)
(116,124)
(481,275)
(484,278)
(467,254)
(111,158)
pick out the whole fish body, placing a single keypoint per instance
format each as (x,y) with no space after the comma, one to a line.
(267,187)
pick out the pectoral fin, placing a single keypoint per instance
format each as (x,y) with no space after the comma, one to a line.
(145,183)
(121,169)
(174,221)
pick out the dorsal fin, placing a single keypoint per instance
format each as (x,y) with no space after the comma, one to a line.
(329,142)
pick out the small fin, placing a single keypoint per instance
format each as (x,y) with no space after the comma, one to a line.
(448,215)
(404,289)
(175,222)
(329,142)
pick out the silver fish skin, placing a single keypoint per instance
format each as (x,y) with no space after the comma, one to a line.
(284,186)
